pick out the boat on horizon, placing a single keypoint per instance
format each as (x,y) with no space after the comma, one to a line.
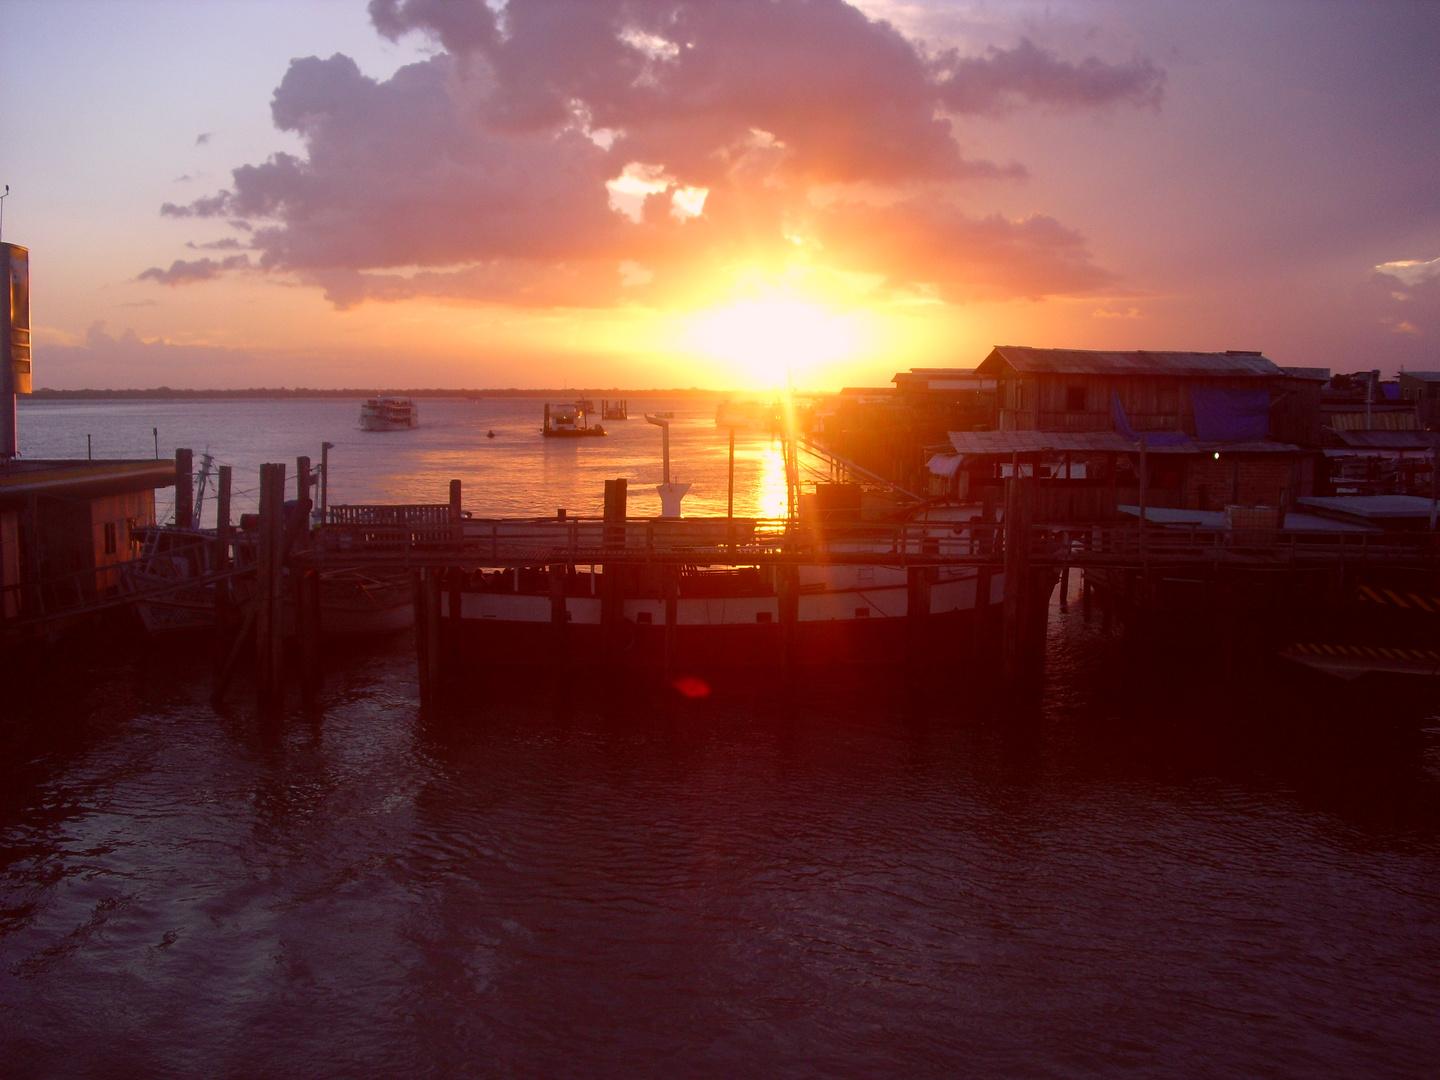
(388,414)
(569,421)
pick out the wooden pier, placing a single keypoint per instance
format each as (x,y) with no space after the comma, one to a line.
(439,547)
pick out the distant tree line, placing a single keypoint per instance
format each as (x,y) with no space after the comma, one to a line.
(166,392)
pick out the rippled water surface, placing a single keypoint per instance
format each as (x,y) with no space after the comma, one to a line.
(515,473)
(1152,877)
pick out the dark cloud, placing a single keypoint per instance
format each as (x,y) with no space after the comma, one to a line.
(187,273)
(210,206)
(1004,79)
(486,166)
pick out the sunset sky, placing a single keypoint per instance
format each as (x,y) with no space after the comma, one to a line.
(636,193)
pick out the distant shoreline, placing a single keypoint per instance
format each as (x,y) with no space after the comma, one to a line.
(163,393)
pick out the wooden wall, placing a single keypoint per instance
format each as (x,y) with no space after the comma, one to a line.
(1151,403)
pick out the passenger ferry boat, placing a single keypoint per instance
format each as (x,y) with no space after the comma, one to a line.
(569,421)
(821,613)
(388,414)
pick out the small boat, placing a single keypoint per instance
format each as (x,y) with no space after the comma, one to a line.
(568,422)
(365,602)
(171,558)
(490,434)
(352,601)
(388,414)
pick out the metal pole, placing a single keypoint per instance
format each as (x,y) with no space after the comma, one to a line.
(730,488)
(155,434)
(325,448)
(665,445)
(1434,478)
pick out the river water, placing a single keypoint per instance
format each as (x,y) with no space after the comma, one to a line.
(1153,876)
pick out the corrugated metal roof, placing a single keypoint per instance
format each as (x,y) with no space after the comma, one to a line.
(1215,519)
(1388,440)
(1028,361)
(1371,507)
(1095,442)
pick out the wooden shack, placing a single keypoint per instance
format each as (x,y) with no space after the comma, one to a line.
(62,523)
(1222,429)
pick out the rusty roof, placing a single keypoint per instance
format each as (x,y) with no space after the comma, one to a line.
(1005,443)
(1027,361)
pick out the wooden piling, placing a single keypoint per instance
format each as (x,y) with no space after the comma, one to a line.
(432,628)
(222,563)
(422,638)
(1016,621)
(269,631)
(612,598)
(454,601)
(917,615)
(305,587)
(184,489)
(559,618)
(787,589)
(670,590)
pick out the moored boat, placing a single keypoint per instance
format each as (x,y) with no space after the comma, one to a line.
(715,615)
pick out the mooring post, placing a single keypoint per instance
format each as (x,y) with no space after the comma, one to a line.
(917,615)
(422,637)
(184,489)
(787,589)
(432,627)
(1014,631)
(268,595)
(670,589)
(454,601)
(559,617)
(222,564)
(305,586)
(612,597)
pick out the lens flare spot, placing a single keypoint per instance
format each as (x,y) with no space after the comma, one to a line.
(692,687)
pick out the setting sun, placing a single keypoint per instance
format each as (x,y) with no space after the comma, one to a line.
(769,342)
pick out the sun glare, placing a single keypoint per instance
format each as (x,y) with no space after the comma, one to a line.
(767,343)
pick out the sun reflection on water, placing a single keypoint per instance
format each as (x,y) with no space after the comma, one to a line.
(770,484)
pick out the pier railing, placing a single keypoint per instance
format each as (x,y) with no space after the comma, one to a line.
(420,539)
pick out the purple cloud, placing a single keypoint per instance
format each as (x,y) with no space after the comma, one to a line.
(187,273)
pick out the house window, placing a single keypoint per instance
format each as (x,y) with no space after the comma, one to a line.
(1075,399)
(111,538)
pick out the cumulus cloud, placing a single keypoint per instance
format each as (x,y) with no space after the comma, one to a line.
(490,171)
(1412,313)
(1411,271)
(181,272)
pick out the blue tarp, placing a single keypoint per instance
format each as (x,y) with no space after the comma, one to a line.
(1230,415)
(1152,438)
